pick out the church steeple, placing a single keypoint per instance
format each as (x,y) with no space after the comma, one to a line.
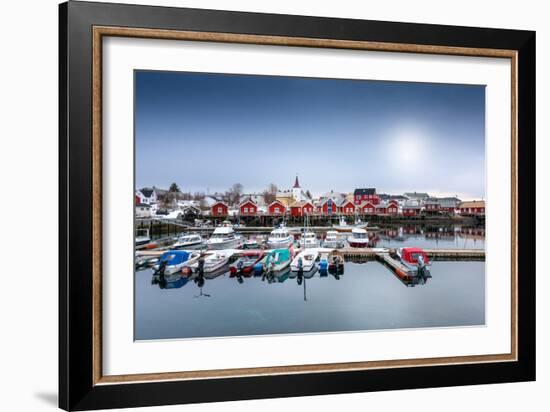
(296,183)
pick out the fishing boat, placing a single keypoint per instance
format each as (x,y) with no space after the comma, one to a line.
(309,240)
(254,242)
(224,237)
(245,264)
(415,259)
(142,237)
(174,261)
(274,261)
(358,238)
(212,262)
(333,240)
(280,238)
(343,226)
(189,240)
(304,261)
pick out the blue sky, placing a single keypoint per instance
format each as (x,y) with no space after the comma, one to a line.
(209,131)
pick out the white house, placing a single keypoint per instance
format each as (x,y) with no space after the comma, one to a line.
(143,210)
(147,195)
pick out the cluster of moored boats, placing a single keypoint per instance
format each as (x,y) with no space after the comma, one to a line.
(244,262)
(191,253)
(224,237)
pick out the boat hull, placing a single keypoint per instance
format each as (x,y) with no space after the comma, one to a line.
(227,244)
(358,243)
(280,244)
(187,245)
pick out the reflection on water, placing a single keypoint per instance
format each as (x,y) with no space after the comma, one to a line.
(430,237)
(365,297)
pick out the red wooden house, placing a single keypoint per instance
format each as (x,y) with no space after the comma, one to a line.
(248,208)
(381,209)
(367,208)
(473,208)
(393,207)
(366,195)
(276,208)
(301,209)
(219,209)
(347,207)
(411,210)
(328,207)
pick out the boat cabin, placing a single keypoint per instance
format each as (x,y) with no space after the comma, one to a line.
(411,255)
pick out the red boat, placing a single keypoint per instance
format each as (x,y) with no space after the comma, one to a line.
(245,263)
(414,258)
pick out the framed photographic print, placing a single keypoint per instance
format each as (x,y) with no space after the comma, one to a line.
(257,205)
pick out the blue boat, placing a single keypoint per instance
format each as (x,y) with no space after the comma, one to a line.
(173,261)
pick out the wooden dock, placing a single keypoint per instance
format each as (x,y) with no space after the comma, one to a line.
(366,254)
(434,254)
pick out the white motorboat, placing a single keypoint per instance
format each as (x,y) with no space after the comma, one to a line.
(333,240)
(304,261)
(280,238)
(224,238)
(190,240)
(213,261)
(309,240)
(358,238)
(343,226)
(142,237)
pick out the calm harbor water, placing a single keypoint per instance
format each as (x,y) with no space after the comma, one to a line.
(366,297)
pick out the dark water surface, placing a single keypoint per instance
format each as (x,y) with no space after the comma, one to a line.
(367,296)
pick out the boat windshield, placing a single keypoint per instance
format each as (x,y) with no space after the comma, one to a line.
(360,235)
(222,236)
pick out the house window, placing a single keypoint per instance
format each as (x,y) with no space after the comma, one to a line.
(219,210)
(277,210)
(245,210)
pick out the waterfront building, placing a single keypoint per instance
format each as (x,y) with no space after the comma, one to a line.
(411,209)
(419,197)
(432,205)
(301,208)
(248,208)
(449,204)
(346,207)
(276,208)
(143,210)
(392,207)
(219,209)
(327,206)
(472,208)
(366,194)
(367,208)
